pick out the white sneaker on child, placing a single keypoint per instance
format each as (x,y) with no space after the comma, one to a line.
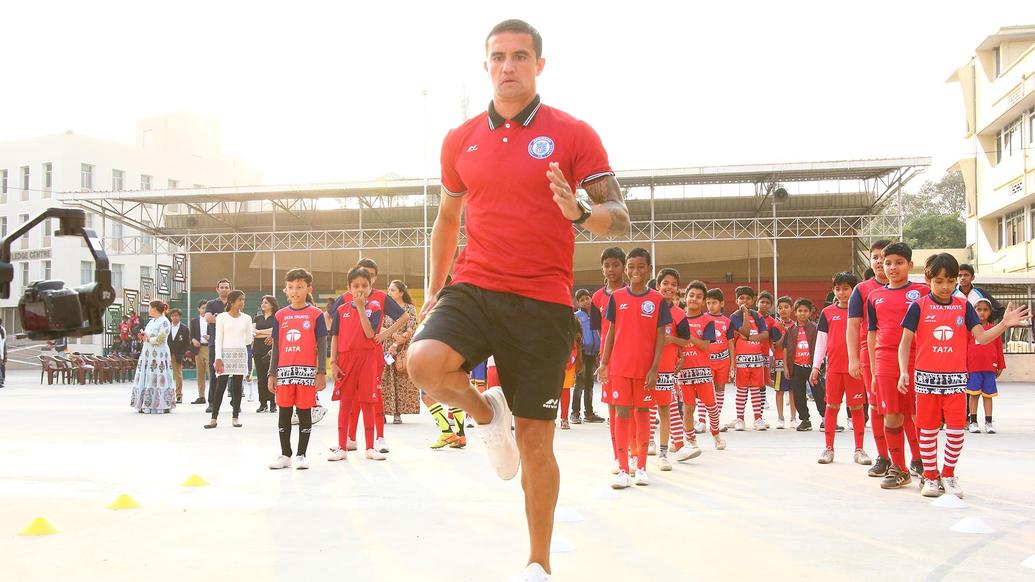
(381,445)
(622,481)
(375,455)
(301,463)
(532,573)
(281,462)
(952,486)
(690,451)
(338,455)
(641,478)
(350,445)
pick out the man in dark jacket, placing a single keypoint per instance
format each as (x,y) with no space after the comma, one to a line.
(799,345)
(179,343)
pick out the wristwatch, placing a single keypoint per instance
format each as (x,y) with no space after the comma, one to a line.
(587,211)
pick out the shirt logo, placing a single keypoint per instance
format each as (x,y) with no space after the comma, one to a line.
(803,345)
(551,403)
(668,330)
(943,333)
(959,321)
(540,148)
(913,295)
(473,148)
(293,335)
(306,324)
(647,307)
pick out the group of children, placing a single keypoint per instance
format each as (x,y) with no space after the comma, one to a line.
(920,351)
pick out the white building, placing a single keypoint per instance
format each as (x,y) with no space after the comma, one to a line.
(172,151)
(998,85)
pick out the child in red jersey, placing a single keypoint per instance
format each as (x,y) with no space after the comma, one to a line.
(748,334)
(885,310)
(612,264)
(832,347)
(939,322)
(632,352)
(764,304)
(695,378)
(859,355)
(357,366)
(719,356)
(782,387)
(985,362)
(799,346)
(667,392)
(570,371)
(297,365)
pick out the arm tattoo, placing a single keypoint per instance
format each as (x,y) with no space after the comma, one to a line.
(606,191)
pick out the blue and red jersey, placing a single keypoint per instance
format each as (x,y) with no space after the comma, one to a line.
(942,332)
(678,328)
(986,357)
(886,309)
(697,362)
(296,333)
(637,320)
(833,321)
(348,328)
(749,352)
(720,349)
(857,309)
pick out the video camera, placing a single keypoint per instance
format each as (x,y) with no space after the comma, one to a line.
(49,310)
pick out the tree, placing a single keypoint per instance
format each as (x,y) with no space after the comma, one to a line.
(936,231)
(946,197)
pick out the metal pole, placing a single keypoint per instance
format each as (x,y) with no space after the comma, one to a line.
(776,278)
(653,236)
(424,171)
(273,250)
(898,195)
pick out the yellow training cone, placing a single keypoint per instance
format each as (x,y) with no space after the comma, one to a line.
(39,527)
(124,501)
(195,481)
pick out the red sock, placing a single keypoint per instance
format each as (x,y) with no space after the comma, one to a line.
(354,420)
(611,426)
(379,417)
(621,437)
(877,426)
(565,403)
(830,426)
(913,436)
(642,436)
(757,399)
(896,446)
(344,416)
(368,424)
(858,426)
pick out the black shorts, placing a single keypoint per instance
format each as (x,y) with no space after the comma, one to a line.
(530,339)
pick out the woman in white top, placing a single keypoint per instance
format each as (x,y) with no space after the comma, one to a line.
(233,336)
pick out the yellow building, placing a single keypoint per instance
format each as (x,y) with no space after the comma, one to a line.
(998,86)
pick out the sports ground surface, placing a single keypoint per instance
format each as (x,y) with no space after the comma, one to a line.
(762,509)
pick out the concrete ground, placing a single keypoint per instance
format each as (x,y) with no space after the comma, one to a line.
(761,509)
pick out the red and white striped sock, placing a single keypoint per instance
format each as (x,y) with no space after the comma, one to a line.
(929,452)
(676,424)
(953,447)
(713,419)
(742,397)
(757,399)
(700,411)
(720,396)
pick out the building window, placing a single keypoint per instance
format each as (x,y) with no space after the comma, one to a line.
(145,182)
(1008,142)
(1031,126)
(86,177)
(25,177)
(145,272)
(1031,222)
(48,176)
(116,275)
(46,270)
(3,181)
(997,57)
(173,184)
(1013,227)
(23,218)
(117,180)
(25,274)
(3,226)
(89,220)
(85,272)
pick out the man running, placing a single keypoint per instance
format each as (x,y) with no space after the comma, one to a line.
(512,284)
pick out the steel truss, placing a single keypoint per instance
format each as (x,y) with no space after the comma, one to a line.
(712,229)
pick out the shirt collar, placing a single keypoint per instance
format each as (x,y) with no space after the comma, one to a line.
(525,117)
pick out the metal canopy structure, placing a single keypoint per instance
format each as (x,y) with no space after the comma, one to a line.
(858,199)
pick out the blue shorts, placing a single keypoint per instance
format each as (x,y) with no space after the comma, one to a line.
(478,372)
(982,384)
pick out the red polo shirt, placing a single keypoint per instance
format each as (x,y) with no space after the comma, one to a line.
(517,239)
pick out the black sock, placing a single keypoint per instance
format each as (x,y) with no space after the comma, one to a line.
(284,428)
(988,419)
(305,427)
(973,418)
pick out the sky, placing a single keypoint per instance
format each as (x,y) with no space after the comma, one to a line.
(332,91)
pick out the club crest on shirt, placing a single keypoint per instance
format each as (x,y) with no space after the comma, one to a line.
(540,148)
(306,324)
(912,295)
(959,321)
(647,307)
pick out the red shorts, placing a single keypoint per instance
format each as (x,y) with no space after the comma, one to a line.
(665,390)
(842,386)
(301,397)
(931,409)
(891,401)
(705,391)
(867,379)
(630,392)
(750,378)
(361,376)
(721,373)
(605,392)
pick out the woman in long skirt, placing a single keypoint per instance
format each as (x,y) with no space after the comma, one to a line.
(233,336)
(153,388)
(400,395)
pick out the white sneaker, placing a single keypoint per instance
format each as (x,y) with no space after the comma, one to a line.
(720,443)
(781,424)
(760,424)
(318,413)
(301,463)
(641,478)
(974,428)
(338,455)
(663,463)
(350,445)
(989,428)
(732,425)
(622,481)
(952,486)
(470,424)
(281,462)
(850,425)
(381,445)
(532,573)
(616,469)
(930,488)
(498,438)
(739,424)
(690,451)
(652,448)
(700,427)
(375,455)
(862,458)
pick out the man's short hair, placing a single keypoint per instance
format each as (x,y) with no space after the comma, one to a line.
(173,312)
(613,253)
(744,290)
(699,285)
(515,25)
(942,263)
(899,248)
(968,268)
(202,303)
(221,281)
(716,294)
(368,264)
(641,253)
